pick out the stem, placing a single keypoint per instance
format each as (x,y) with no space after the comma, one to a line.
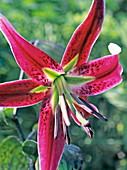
(31,134)
(21,133)
(16,116)
(32,167)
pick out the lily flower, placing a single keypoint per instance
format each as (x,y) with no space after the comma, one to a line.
(62,88)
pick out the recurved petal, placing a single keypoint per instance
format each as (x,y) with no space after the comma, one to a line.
(107,72)
(85,35)
(96,68)
(17,93)
(50,149)
(29,58)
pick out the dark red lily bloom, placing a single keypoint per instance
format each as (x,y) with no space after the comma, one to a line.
(62,88)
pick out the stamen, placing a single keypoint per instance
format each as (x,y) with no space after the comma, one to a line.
(81,114)
(88,131)
(81,102)
(64,128)
(87,128)
(67,136)
(63,106)
(66,132)
(88,124)
(94,112)
(57,120)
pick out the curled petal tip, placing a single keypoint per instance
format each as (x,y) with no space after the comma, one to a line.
(87,128)
(106,119)
(88,124)
(90,133)
(114,48)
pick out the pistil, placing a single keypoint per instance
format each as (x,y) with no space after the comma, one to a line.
(63,106)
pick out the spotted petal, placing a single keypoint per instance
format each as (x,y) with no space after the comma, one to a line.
(29,58)
(106,70)
(85,35)
(18,93)
(50,149)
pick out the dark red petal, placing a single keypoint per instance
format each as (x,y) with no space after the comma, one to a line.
(86,34)
(17,93)
(50,149)
(96,68)
(29,58)
(101,84)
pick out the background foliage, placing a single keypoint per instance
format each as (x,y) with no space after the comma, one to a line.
(55,21)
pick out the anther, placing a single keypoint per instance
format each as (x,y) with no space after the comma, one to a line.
(57,120)
(88,107)
(93,111)
(67,136)
(87,128)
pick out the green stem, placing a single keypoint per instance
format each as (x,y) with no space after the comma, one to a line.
(21,133)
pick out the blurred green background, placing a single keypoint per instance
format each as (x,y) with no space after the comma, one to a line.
(55,21)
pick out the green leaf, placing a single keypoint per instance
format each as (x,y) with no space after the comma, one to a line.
(72,158)
(29,147)
(71,64)
(11,156)
(9,112)
(7,119)
(78,80)
(2,116)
